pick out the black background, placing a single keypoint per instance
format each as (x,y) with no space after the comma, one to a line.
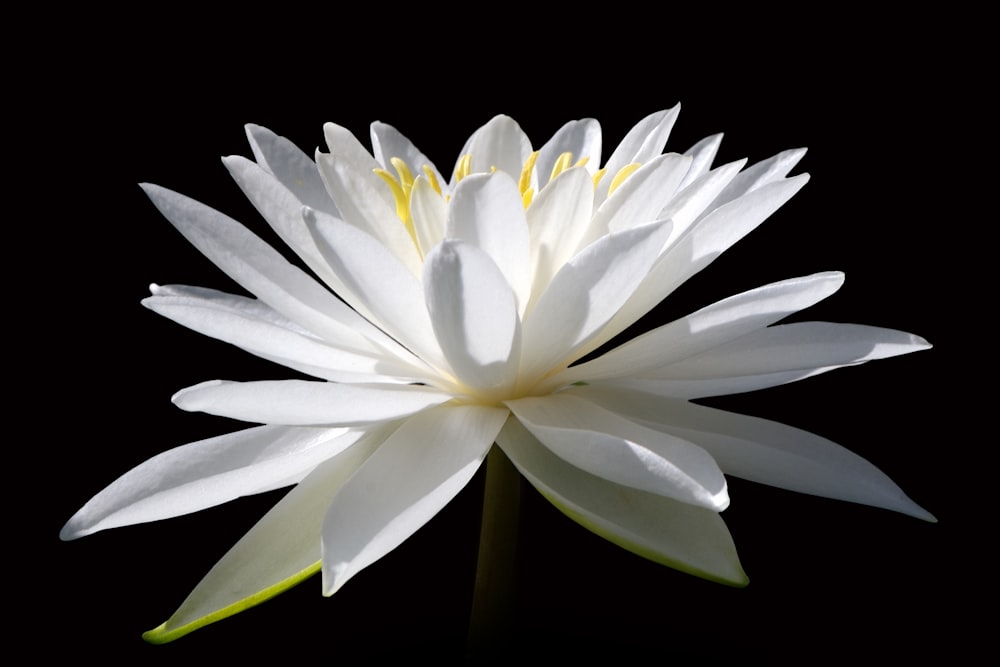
(885,121)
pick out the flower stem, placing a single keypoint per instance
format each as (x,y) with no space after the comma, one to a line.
(494,597)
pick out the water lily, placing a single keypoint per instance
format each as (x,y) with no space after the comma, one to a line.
(443,315)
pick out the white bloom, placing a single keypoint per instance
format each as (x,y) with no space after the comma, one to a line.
(465,305)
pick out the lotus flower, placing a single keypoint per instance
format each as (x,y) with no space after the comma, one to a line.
(442,316)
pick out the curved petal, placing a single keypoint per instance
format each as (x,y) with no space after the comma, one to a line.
(258,329)
(388,143)
(642,143)
(682,536)
(294,169)
(415,473)
(474,314)
(206,473)
(486,210)
(641,197)
(702,155)
(622,451)
(280,551)
(256,266)
(580,138)
(499,144)
(777,355)
(305,403)
(762,451)
(429,211)
(707,328)
(585,294)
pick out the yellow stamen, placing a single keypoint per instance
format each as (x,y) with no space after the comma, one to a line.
(464,167)
(432,178)
(561,165)
(598,175)
(622,174)
(524,183)
(582,161)
(527,196)
(400,192)
(405,175)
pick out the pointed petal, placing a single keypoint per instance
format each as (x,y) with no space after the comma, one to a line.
(682,536)
(707,328)
(474,314)
(256,266)
(302,403)
(621,451)
(642,143)
(760,174)
(258,329)
(487,211)
(700,245)
(585,294)
(763,451)
(702,155)
(415,473)
(280,551)
(778,355)
(207,473)
(291,167)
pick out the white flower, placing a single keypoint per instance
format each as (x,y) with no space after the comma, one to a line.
(466,305)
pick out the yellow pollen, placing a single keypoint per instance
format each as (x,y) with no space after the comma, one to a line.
(622,174)
(401,188)
(432,178)
(524,182)
(598,175)
(561,165)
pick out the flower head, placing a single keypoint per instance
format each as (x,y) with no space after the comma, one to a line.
(448,314)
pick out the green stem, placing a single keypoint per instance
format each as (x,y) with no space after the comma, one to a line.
(494,597)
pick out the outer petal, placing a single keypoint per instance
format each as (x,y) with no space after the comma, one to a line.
(702,155)
(415,473)
(579,138)
(778,355)
(207,473)
(642,143)
(474,314)
(258,329)
(641,197)
(303,403)
(763,451)
(707,328)
(293,168)
(279,552)
(682,536)
(621,451)
(257,266)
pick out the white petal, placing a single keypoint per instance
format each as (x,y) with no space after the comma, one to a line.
(558,219)
(585,294)
(679,535)
(258,329)
(621,451)
(580,138)
(388,142)
(301,403)
(429,210)
(377,284)
(256,266)
(499,144)
(777,355)
(642,143)
(641,197)
(280,551)
(702,155)
(763,451)
(700,245)
(486,210)
(707,328)
(415,473)
(207,473)
(760,174)
(474,314)
(366,202)
(293,168)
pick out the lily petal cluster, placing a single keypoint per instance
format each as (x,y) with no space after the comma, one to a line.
(440,315)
